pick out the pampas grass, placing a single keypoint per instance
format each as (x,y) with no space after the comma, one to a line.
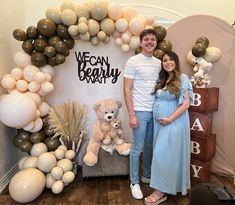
(68,122)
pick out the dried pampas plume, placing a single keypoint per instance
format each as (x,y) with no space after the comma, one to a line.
(68,122)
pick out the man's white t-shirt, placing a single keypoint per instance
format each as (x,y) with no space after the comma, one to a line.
(144,71)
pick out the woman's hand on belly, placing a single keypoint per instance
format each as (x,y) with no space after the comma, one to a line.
(164,121)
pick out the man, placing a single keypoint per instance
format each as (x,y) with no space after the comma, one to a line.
(140,75)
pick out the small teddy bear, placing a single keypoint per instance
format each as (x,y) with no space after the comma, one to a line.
(114,134)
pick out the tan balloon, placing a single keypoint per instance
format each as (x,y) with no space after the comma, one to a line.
(57,173)
(114,11)
(99,10)
(134,42)
(101,35)
(68,17)
(38,149)
(82,28)
(67,4)
(82,11)
(30,162)
(27,185)
(70,154)
(49,181)
(212,54)
(59,153)
(46,162)
(73,30)
(93,27)
(54,14)
(65,164)
(68,177)
(125,48)
(57,187)
(21,162)
(95,41)
(82,20)
(107,25)
(85,37)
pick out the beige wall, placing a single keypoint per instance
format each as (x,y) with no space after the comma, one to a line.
(23,13)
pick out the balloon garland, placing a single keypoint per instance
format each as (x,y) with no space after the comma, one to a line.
(45,46)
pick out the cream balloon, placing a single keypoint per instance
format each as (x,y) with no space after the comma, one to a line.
(190,58)
(38,149)
(101,35)
(82,28)
(82,20)
(93,27)
(98,10)
(39,77)
(136,25)
(17,110)
(126,37)
(68,17)
(41,92)
(27,185)
(107,39)
(47,87)
(70,154)
(118,42)
(59,153)
(35,97)
(65,164)
(38,113)
(22,85)
(107,25)
(68,177)
(121,25)
(17,73)
(30,126)
(67,4)
(125,48)
(149,20)
(57,173)
(85,37)
(34,87)
(38,124)
(29,72)
(44,109)
(114,11)
(116,34)
(134,42)
(30,162)
(63,147)
(21,162)
(82,11)
(46,162)
(54,14)
(95,41)
(73,30)
(8,82)
(57,187)
(48,77)
(212,54)
(49,181)
(129,13)
(22,59)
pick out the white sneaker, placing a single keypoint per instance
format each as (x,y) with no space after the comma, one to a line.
(136,191)
(145,180)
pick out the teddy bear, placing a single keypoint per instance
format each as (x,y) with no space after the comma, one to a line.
(106,110)
(114,134)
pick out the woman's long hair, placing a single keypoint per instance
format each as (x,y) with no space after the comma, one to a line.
(173,86)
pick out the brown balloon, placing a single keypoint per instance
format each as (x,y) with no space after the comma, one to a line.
(52,41)
(49,51)
(38,59)
(199,50)
(45,121)
(32,32)
(164,45)
(24,135)
(62,31)
(52,144)
(27,46)
(36,137)
(20,35)
(39,44)
(138,50)
(17,141)
(158,54)
(204,40)
(46,27)
(161,32)
(51,61)
(69,43)
(60,47)
(26,146)
(66,52)
(59,58)
(48,132)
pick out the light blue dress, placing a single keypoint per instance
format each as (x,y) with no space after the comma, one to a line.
(170,172)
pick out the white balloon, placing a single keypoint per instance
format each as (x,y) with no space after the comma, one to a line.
(38,149)
(57,187)
(8,82)
(118,42)
(37,125)
(121,25)
(46,162)
(48,69)
(59,153)
(44,109)
(57,173)
(49,181)
(68,177)
(39,77)
(29,72)
(29,126)
(47,87)
(34,87)
(17,110)
(68,17)
(16,73)
(65,164)
(22,59)
(125,48)
(22,85)
(35,97)
(30,162)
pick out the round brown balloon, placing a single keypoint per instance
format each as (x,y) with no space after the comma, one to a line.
(161,32)
(164,45)
(51,61)
(69,43)
(52,41)
(138,50)
(27,46)
(38,59)
(24,135)
(20,35)
(60,47)
(158,54)
(46,27)
(32,32)
(17,141)
(62,31)
(36,137)
(199,50)
(26,146)
(59,58)
(50,51)
(204,40)
(39,44)
(48,132)
(52,144)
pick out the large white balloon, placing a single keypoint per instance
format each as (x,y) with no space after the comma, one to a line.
(136,25)
(27,185)
(121,25)
(17,110)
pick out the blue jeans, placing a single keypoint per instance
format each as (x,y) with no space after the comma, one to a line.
(142,141)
